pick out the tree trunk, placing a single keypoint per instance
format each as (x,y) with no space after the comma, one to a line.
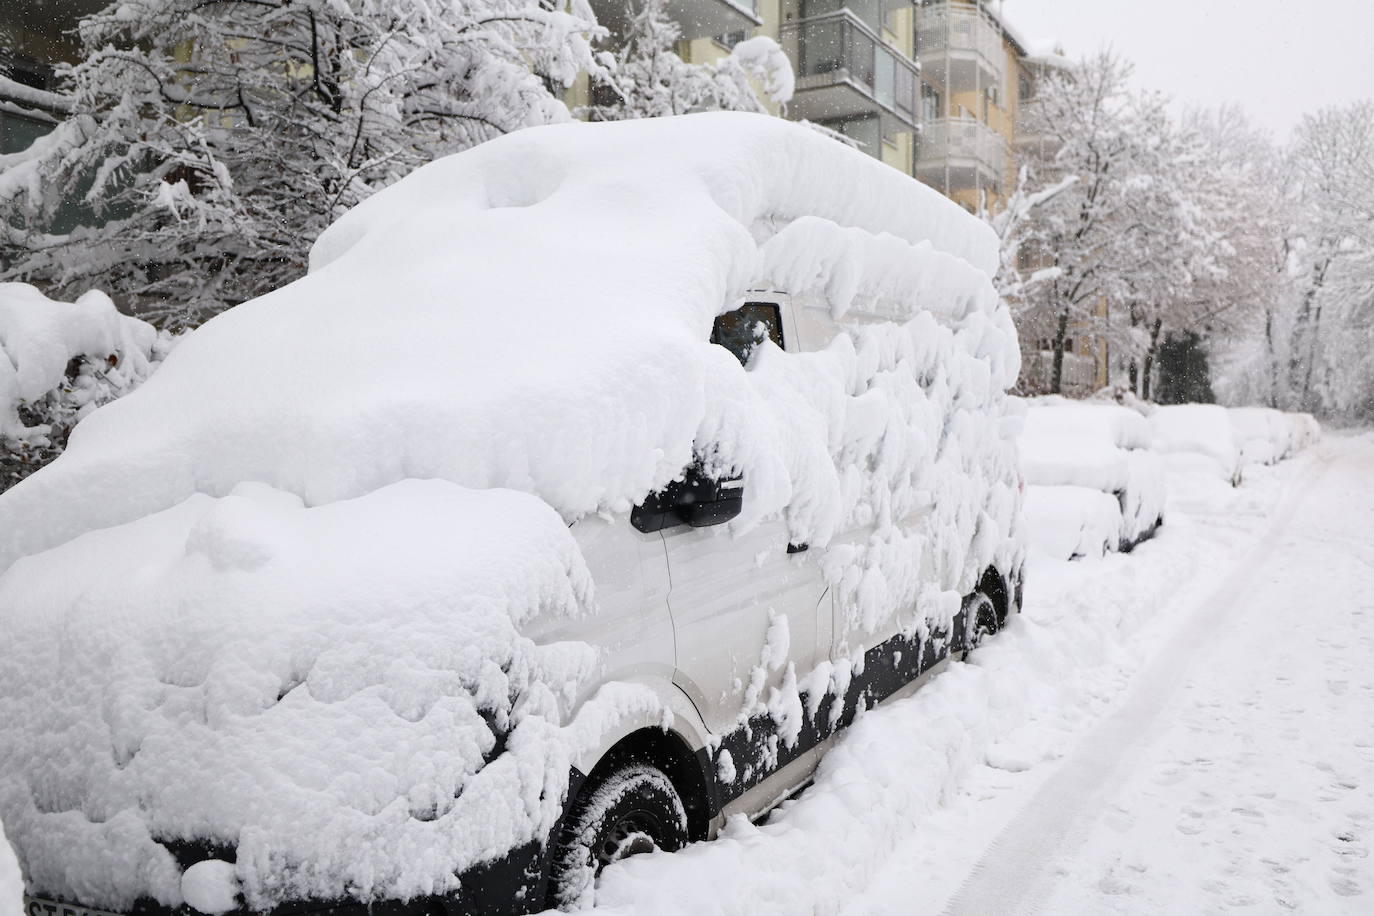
(1273,358)
(1057,372)
(1150,359)
(1305,335)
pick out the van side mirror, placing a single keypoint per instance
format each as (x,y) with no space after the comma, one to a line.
(697,500)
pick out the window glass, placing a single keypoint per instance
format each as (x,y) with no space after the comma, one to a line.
(746,327)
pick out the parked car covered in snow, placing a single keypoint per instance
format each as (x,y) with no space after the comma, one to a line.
(1092,483)
(590,482)
(1198,438)
(1268,436)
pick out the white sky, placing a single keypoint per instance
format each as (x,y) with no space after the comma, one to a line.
(1277,58)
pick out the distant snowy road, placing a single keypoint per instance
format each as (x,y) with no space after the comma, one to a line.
(1188,729)
(1253,787)
(1238,773)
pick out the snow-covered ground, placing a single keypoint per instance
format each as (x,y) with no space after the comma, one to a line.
(1186,729)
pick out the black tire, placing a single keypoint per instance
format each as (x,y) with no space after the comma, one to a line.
(632,809)
(980,616)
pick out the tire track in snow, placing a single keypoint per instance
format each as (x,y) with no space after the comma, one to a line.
(1013,875)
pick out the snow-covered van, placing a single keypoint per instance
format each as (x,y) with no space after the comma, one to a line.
(590,482)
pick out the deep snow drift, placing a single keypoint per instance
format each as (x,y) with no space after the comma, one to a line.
(316,534)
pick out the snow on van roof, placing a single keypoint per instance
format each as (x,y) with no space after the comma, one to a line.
(532,313)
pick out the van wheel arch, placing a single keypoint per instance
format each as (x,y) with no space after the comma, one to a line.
(666,750)
(994,586)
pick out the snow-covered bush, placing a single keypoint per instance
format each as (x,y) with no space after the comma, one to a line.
(317,578)
(210,143)
(650,80)
(58,362)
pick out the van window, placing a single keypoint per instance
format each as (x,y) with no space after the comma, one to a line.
(742,330)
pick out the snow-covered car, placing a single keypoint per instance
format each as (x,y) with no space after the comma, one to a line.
(1197,440)
(1092,483)
(590,482)
(1268,436)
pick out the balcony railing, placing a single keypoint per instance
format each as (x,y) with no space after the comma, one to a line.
(695,18)
(953,42)
(839,48)
(963,145)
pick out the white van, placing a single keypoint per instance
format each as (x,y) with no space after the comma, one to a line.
(588,485)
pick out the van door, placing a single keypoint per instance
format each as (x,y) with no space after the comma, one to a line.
(750,613)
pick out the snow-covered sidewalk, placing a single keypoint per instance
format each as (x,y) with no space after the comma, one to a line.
(1181,729)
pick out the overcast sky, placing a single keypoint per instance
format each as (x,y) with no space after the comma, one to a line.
(1277,58)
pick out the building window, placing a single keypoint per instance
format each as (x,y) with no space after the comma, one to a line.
(1023,88)
(730,39)
(930,103)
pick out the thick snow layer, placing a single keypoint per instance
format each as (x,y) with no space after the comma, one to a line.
(422,344)
(1058,416)
(321,687)
(318,532)
(39,338)
(1198,429)
(11,882)
(1068,522)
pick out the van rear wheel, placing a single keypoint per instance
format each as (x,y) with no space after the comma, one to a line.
(633,809)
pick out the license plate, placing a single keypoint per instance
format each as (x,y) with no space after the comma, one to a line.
(37,906)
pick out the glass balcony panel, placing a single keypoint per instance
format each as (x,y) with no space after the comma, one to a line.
(885,79)
(822,48)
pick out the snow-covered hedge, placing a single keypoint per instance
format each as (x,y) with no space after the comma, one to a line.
(58,362)
(271,635)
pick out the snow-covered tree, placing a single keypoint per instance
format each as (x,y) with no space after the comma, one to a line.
(210,142)
(58,362)
(650,80)
(1330,241)
(1243,193)
(1070,205)
(1126,225)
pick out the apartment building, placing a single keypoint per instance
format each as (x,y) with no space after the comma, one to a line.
(974,77)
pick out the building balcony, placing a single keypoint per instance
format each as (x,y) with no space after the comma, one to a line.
(844,70)
(696,18)
(954,154)
(959,47)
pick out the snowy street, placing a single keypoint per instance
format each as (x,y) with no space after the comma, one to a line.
(1186,729)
